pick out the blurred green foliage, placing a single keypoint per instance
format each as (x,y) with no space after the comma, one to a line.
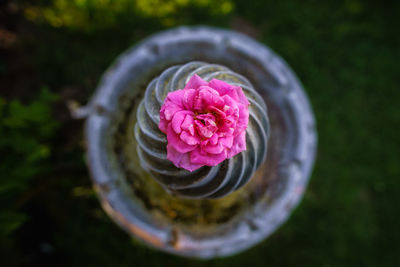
(92,14)
(345,53)
(24,131)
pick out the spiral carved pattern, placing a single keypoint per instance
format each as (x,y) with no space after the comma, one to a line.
(206,182)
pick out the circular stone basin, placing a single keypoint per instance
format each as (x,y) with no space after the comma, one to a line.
(201,228)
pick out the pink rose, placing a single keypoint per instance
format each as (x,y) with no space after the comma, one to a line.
(205,123)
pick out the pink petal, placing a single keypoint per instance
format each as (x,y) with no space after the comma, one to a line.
(188,98)
(169,109)
(200,157)
(187,124)
(243,119)
(206,132)
(232,104)
(188,165)
(181,160)
(219,113)
(242,96)
(177,121)
(205,142)
(216,149)
(224,88)
(214,139)
(226,141)
(227,126)
(176,142)
(173,155)
(189,139)
(175,97)
(239,144)
(195,82)
(163,124)
(209,97)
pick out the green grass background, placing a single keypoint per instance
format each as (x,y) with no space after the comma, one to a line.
(346,53)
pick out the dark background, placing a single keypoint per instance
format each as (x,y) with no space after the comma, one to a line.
(346,53)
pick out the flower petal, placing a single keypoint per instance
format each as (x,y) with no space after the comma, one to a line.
(239,144)
(187,164)
(169,109)
(175,141)
(189,139)
(176,97)
(195,82)
(243,119)
(187,124)
(200,157)
(213,149)
(209,97)
(224,88)
(214,139)
(181,160)
(226,141)
(163,125)
(177,121)
(241,95)
(174,156)
(188,98)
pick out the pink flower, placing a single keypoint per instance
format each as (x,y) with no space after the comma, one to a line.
(205,123)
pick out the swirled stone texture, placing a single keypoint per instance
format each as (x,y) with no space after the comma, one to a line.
(205,182)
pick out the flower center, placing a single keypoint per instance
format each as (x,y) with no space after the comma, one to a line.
(206,124)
